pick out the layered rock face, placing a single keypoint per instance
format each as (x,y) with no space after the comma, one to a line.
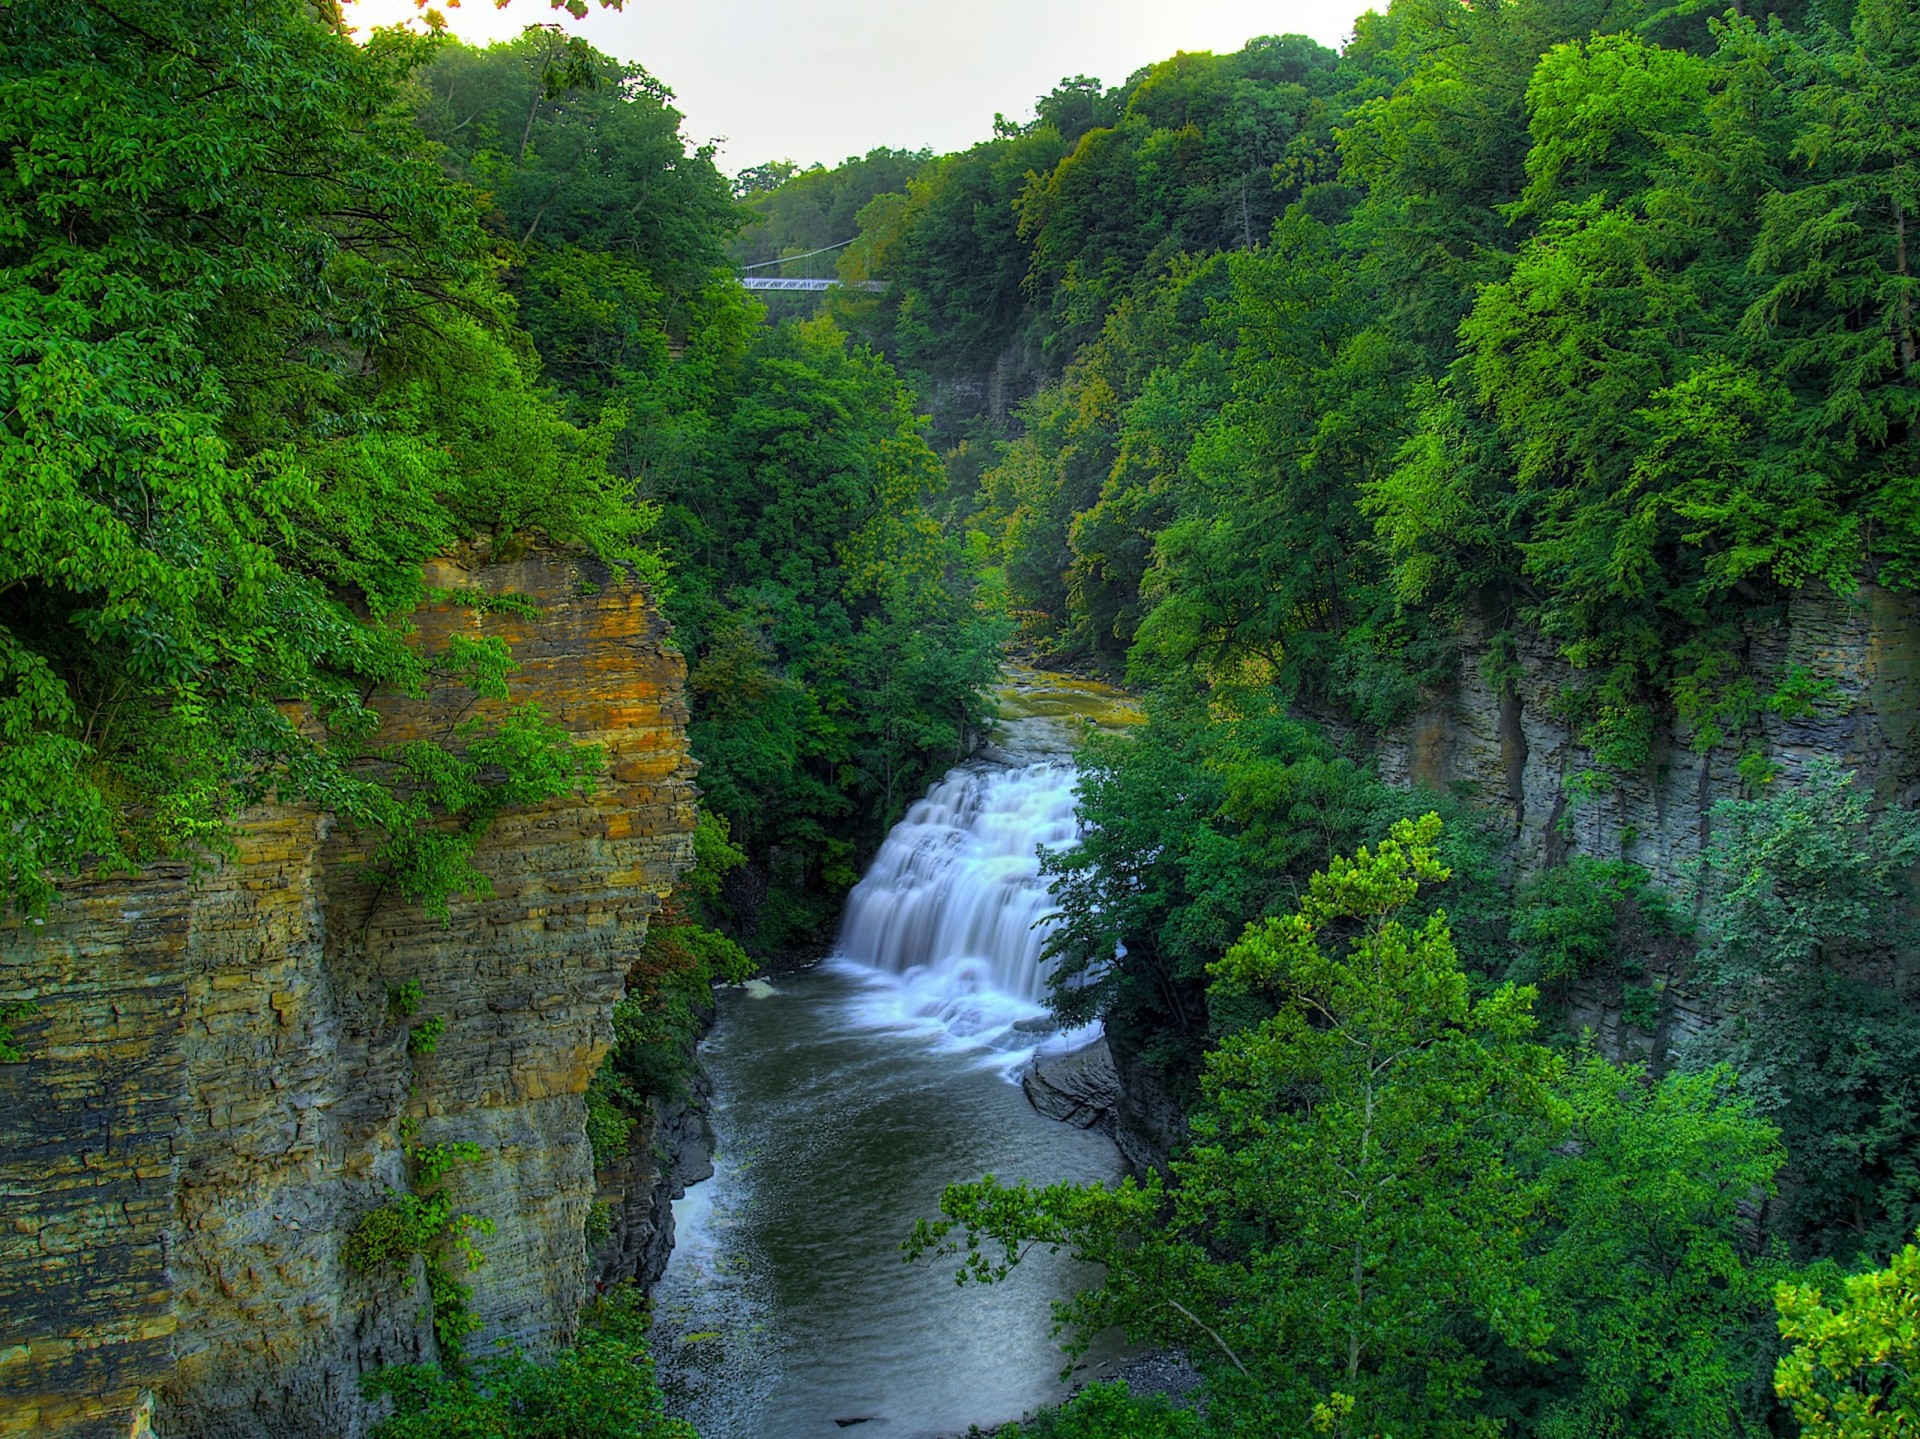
(1501,742)
(218,1079)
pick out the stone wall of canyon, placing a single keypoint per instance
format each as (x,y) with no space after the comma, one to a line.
(217,1081)
(1504,745)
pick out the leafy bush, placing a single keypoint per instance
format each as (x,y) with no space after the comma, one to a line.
(1581,917)
(1110,1411)
(1805,907)
(424,1037)
(601,1388)
(424,1221)
(1854,1372)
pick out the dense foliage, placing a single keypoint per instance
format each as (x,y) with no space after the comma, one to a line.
(1400,1213)
(290,315)
(1589,320)
(1575,329)
(836,650)
(1197,823)
(600,1388)
(260,371)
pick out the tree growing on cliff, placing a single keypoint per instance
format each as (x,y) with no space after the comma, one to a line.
(1805,904)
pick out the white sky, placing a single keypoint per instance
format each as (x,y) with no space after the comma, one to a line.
(821,80)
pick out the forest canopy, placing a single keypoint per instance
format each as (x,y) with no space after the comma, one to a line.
(288,315)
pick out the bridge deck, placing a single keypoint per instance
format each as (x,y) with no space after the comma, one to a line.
(773,282)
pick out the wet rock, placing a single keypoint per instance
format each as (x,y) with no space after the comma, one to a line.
(1078,1088)
(1149,1122)
(1163,1372)
(670,1148)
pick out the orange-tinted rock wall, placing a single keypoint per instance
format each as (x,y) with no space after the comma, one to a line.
(217,1079)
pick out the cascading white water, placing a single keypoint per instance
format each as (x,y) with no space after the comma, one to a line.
(953,914)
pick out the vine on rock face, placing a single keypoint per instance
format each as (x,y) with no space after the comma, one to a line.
(669,990)
(424,1221)
(11,1051)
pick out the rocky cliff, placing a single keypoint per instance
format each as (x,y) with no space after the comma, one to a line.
(1500,740)
(218,1080)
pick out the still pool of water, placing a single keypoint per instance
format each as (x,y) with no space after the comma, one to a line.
(787,1308)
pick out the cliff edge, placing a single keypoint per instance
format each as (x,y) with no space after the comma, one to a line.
(219,1082)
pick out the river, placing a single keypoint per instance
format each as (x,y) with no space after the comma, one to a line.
(847,1097)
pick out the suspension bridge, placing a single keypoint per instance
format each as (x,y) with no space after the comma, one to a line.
(809,281)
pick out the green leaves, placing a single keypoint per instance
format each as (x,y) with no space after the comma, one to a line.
(259,373)
(602,1387)
(424,1220)
(1399,1214)
(839,656)
(1652,1288)
(1805,889)
(1351,1194)
(1852,1372)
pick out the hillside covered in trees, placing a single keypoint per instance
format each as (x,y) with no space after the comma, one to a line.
(1267,379)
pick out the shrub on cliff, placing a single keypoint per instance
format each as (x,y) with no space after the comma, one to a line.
(1806,911)
(601,1388)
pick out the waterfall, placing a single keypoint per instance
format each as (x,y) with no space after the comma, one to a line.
(949,922)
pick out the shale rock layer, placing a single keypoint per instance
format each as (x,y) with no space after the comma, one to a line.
(217,1079)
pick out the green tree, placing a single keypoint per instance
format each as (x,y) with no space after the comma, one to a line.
(1854,1372)
(1655,1304)
(1805,901)
(1836,325)
(838,653)
(602,1387)
(1351,1197)
(260,373)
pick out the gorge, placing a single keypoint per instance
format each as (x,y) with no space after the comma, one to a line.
(850,1094)
(562,828)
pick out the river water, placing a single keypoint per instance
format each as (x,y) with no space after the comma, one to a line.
(847,1098)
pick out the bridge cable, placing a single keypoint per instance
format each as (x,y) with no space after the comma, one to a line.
(788,259)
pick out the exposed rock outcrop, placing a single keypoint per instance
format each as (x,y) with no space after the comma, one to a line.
(1500,738)
(670,1147)
(217,1080)
(1078,1087)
